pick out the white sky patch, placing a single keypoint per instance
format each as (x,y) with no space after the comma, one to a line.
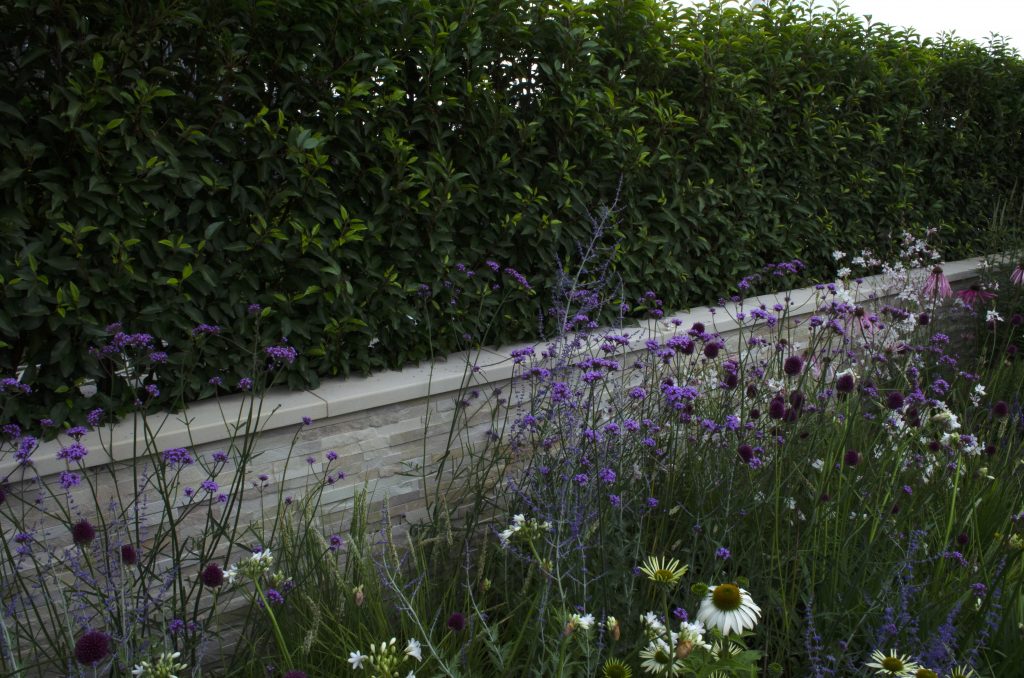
(974,20)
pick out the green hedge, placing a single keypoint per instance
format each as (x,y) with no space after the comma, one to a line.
(170,163)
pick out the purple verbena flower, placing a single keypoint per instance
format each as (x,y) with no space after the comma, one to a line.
(205,330)
(76,451)
(177,456)
(281,354)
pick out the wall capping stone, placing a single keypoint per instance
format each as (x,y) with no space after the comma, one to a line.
(213,420)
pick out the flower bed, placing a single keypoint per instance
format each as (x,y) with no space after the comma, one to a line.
(808,483)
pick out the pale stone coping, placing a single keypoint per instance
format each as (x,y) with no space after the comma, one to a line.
(282,408)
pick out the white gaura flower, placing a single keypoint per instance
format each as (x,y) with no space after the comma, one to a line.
(729,608)
(166,666)
(414,649)
(584,622)
(356,659)
(264,558)
(652,624)
(693,632)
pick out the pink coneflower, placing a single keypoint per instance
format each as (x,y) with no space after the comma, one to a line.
(975,293)
(937,285)
(1017,277)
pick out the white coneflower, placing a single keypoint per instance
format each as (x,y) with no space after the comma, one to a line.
(663,570)
(729,608)
(659,659)
(892,664)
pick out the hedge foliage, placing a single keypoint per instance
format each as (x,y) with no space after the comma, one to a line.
(169,163)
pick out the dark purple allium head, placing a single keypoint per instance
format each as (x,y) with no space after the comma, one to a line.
(894,400)
(92,647)
(845,383)
(793,365)
(777,408)
(730,380)
(82,532)
(1000,408)
(129,556)
(990,449)
(851,458)
(456,621)
(796,399)
(212,576)
(962,539)
(711,349)
(1017,319)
